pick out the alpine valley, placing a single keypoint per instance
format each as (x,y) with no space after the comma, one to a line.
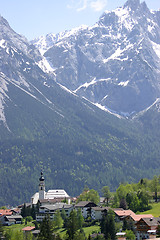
(84,105)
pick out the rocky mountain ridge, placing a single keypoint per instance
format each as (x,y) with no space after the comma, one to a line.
(115,63)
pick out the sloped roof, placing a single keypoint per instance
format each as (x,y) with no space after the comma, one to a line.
(154,221)
(56,193)
(139,216)
(84,204)
(5,212)
(14,217)
(56,206)
(28,228)
(123,213)
(135,217)
(100,208)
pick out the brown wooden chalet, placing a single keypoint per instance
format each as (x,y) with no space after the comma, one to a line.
(144,225)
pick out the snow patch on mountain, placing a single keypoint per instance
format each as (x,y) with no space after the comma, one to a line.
(3,96)
(73,32)
(118,53)
(86,85)
(124,84)
(66,89)
(92,82)
(124,18)
(2,43)
(45,65)
(156,48)
(107,110)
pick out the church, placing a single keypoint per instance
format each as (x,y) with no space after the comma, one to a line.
(52,196)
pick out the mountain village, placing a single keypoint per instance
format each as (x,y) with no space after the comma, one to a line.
(144,226)
(84,106)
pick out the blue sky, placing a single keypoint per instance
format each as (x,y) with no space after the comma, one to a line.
(33,18)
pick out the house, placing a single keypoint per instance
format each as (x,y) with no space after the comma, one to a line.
(52,201)
(51,209)
(27,230)
(85,207)
(121,235)
(134,218)
(13,219)
(16,211)
(120,213)
(97,212)
(50,195)
(144,225)
(3,214)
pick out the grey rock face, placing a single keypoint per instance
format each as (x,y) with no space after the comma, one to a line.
(115,63)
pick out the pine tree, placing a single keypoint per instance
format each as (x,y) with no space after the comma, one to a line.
(24,211)
(33,212)
(58,221)
(112,226)
(123,204)
(72,224)
(1,230)
(46,229)
(108,226)
(80,218)
(63,214)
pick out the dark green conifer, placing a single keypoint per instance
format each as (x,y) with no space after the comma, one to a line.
(72,225)
(46,229)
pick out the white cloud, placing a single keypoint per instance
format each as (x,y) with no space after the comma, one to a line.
(83,5)
(98,5)
(80,5)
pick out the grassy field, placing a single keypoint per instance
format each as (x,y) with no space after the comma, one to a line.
(90,230)
(155,211)
(87,230)
(18,227)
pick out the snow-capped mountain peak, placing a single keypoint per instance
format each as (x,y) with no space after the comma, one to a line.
(43,43)
(120,52)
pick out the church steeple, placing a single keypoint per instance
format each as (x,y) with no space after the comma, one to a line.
(41,187)
(41,177)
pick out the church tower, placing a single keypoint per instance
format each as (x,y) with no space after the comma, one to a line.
(41,187)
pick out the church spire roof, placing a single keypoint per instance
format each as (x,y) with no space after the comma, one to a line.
(41,177)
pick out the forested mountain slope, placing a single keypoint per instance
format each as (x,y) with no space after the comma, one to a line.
(44,125)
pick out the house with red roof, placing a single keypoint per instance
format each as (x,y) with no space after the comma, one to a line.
(28,229)
(120,214)
(3,214)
